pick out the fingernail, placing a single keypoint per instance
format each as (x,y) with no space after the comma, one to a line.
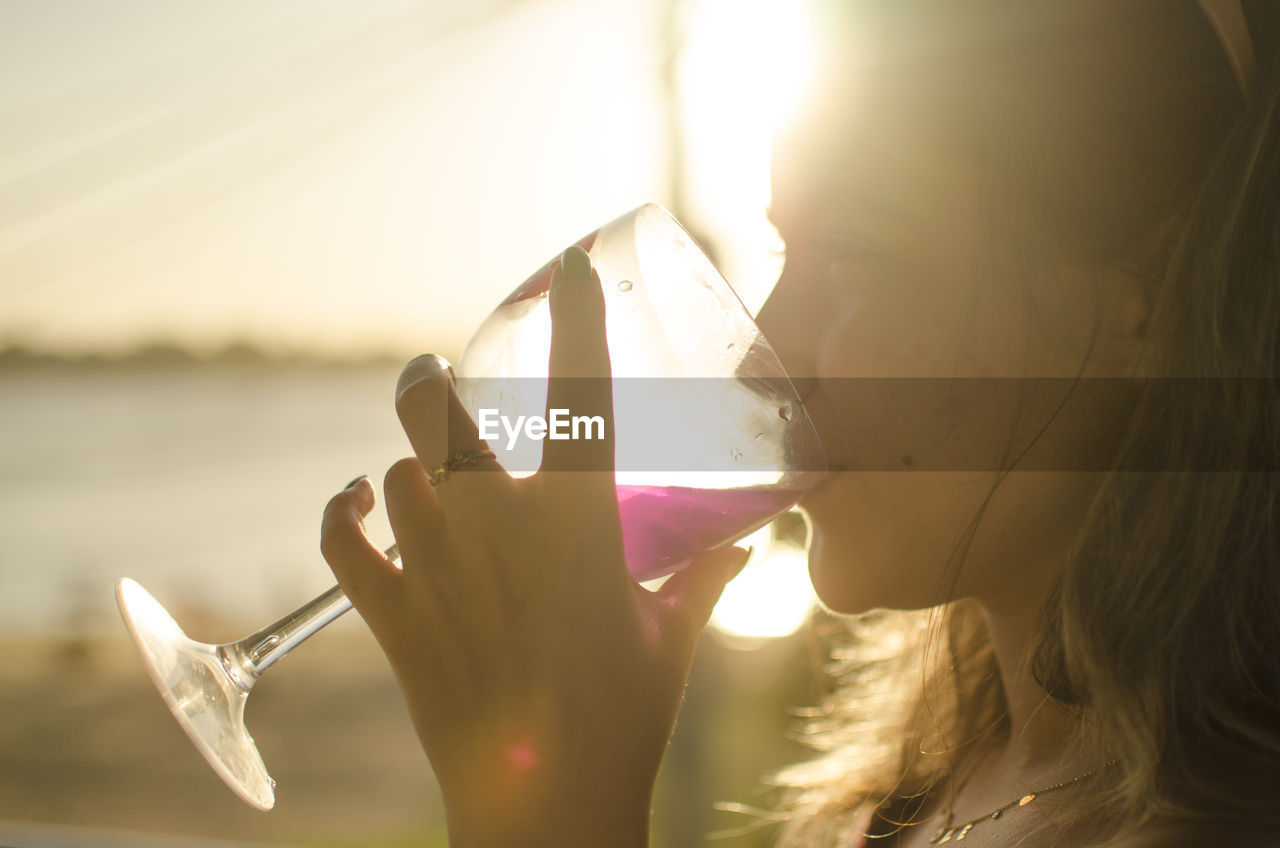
(575,264)
(354,482)
(427,366)
(750,553)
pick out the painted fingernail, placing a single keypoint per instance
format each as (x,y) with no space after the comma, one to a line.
(425,367)
(575,264)
(355,482)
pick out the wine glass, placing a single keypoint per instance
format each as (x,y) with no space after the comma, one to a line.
(711,443)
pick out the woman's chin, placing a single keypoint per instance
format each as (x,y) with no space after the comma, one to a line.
(850,579)
(835,568)
(833,578)
(825,571)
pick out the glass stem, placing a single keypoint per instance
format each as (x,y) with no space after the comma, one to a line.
(256,653)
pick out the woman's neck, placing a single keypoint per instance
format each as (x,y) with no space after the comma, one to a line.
(1040,732)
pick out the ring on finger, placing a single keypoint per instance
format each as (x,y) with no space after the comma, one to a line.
(446,468)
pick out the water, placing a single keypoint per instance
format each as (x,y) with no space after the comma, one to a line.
(204,484)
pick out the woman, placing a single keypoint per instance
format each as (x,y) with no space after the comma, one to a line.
(1066,616)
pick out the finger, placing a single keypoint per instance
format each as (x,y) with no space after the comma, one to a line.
(415,515)
(437,424)
(457,598)
(579,388)
(540,282)
(689,595)
(365,574)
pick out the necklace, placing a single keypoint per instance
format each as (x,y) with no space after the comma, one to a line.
(958,832)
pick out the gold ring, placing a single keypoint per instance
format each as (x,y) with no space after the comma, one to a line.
(444,469)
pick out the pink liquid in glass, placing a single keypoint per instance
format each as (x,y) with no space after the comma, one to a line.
(664,527)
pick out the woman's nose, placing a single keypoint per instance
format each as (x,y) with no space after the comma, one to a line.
(790,320)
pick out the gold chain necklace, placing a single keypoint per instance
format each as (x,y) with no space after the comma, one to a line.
(958,832)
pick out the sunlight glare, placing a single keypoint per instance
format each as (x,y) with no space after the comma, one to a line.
(771,598)
(745,69)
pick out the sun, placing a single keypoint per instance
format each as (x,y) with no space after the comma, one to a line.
(771,598)
(745,68)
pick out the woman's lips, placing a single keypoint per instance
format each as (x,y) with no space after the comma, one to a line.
(830,475)
(830,434)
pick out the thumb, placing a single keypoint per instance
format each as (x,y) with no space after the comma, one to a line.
(690,595)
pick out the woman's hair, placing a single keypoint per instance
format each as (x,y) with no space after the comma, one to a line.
(1111,133)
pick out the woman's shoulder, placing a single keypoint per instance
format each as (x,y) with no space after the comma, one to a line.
(1183,834)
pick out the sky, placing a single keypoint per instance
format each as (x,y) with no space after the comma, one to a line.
(344,178)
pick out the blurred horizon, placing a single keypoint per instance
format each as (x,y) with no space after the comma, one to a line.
(167,353)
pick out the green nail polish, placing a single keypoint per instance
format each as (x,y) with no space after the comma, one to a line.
(575,264)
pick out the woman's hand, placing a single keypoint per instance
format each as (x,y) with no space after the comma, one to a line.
(543,681)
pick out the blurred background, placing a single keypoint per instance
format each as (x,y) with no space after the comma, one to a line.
(223,228)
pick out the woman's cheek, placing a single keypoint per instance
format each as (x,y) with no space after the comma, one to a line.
(868,400)
(901,321)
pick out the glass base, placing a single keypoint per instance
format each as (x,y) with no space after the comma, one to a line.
(196,682)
